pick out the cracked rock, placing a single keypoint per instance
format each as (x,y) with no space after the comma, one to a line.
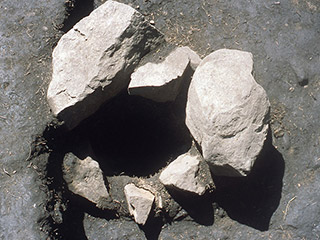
(93,61)
(85,178)
(161,81)
(140,202)
(228,112)
(187,173)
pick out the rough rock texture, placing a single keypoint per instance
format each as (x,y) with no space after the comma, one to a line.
(140,202)
(161,82)
(85,178)
(93,61)
(227,112)
(186,173)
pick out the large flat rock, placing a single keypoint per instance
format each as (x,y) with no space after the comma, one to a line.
(93,61)
(227,112)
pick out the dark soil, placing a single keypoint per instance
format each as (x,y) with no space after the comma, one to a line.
(278,200)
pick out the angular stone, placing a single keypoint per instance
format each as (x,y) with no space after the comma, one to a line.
(228,112)
(161,81)
(93,61)
(140,202)
(85,178)
(188,174)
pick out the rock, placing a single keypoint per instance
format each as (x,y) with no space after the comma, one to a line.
(195,60)
(85,178)
(187,173)
(228,112)
(161,81)
(140,202)
(93,61)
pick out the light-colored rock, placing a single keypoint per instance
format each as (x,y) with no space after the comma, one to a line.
(195,60)
(228,112)
(85,178)
(188,174)
(140,202)
(161,82)
(94,60)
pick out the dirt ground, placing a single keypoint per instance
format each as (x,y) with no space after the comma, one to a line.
(279,200)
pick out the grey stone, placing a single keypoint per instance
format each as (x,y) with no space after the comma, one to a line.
(93,61)
(227,112)
(161,82)
(140,202)
(85,178)
(188,174)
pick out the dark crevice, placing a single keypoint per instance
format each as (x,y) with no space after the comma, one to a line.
(134,136)
(76,10)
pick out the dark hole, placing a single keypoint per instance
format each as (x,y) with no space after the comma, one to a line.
(304,82)
(134,136)
(76,10)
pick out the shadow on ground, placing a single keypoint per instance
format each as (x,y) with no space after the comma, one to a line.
(199,208)
(76,10)
(253,199)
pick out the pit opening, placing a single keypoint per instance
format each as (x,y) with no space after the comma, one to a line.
(133,136)
(76,10)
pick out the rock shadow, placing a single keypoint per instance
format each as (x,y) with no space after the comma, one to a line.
(63,216)
(72,227)
(253,199)
(199,208)
(153,227)
(66,209)
(76,10)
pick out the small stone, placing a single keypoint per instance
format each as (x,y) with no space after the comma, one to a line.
(94,60)
(186,173)
(161,82)
(227,112)
(140,202)
(278,133)
(85,178)
(152,22)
